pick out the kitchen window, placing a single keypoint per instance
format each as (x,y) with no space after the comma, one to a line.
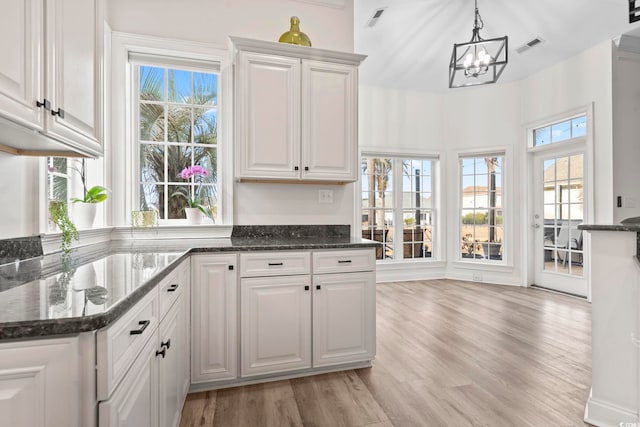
(398,206)
(482,208)
(176,127)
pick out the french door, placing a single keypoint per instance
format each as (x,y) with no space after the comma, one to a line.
(559,206)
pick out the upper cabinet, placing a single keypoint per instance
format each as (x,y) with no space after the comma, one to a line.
(51,77)
(296,112)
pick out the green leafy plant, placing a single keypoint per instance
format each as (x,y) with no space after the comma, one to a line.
(59,216)
(95,194)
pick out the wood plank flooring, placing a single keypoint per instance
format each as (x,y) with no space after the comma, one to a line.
(450,353)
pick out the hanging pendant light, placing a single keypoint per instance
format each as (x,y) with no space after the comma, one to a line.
(478,61)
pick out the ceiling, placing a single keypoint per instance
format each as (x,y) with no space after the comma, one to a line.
(410,46)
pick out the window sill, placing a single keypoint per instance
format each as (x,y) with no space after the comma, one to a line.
(486,265)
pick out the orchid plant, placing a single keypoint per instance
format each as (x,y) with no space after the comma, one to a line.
(198,173)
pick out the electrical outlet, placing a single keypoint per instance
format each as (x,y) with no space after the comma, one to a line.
(477,277)
(325,196)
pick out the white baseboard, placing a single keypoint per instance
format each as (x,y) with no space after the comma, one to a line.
(486,277)
(406,271)
(605,414)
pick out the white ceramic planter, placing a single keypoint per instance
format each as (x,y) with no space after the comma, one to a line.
(84,214)
(194,216)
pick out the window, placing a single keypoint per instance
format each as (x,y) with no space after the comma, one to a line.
(177,128)
(561,131)
(397,206)
(482,207)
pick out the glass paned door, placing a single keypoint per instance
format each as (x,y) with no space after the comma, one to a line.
(559,207)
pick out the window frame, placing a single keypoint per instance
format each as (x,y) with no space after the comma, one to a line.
(505,203)
(193,67)
(120,164)
(398,209)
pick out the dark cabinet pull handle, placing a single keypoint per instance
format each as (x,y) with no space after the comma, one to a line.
(306,168)
(143,325)
(306,288)
(318,287)
(273,264)
(344,261)
(45,103)
(295,168)
(162,352)
(59,112)
(173,287)
(166,344)
(231,267)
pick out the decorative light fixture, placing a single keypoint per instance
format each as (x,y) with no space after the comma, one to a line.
(478,61)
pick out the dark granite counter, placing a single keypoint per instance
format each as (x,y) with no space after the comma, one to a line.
(612,227)
(91,288)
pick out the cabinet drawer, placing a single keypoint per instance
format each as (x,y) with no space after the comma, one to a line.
(170,288)
(274,264)
(344,261)
(119,345)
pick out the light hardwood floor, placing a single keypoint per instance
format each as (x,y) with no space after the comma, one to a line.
(450,353)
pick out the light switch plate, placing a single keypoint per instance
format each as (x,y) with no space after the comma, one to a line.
(325,196)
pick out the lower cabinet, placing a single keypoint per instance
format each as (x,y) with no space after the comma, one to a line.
(40,383)
(214,299)
(275,321)
(152,391)
(344,318)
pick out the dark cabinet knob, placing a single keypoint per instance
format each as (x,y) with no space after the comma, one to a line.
(295,168)
(166,344)
(318,287)
(231,267)
(58,112)
(162,352)
(306,288)
(306,168)
(173,287)
(45,103)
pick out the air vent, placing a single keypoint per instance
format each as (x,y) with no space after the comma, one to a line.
(528,45)
(376,15)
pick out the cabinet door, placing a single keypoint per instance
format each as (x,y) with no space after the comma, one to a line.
(39,383)
(329,121)
(21,35)
(170,367)
(344,318)
(275,324)
(74,73)
(268,121)
(134,403)
(214,298)
(184,276)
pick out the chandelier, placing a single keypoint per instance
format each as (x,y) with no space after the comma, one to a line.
(478,61)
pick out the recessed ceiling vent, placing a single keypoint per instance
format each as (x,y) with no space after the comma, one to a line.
(376,15)
(528,45)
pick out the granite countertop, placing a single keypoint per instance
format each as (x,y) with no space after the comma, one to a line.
(610,227)
(91,288)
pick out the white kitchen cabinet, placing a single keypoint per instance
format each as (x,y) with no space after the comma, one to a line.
(275,324)
(173,331)
(344,318)
(214,299)
(40,383)
(184,277)
(51,77)
(135,402)
(296,112)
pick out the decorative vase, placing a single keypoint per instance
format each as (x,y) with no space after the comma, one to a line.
(84,214)
(194,216)
(294,35)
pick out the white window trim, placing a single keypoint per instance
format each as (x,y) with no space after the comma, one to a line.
(506,263)
(438,242)
(124,152)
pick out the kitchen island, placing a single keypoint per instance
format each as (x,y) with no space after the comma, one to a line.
(615,283)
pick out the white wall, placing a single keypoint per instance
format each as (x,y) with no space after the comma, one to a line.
(626,147)
(18,195)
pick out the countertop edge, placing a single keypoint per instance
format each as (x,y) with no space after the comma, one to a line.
(610,227)
(31,329)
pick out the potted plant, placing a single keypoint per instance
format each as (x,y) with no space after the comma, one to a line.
(145,217)
(59,216)
(195,209)
(84,209)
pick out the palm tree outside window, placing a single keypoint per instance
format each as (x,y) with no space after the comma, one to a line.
(177,128)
